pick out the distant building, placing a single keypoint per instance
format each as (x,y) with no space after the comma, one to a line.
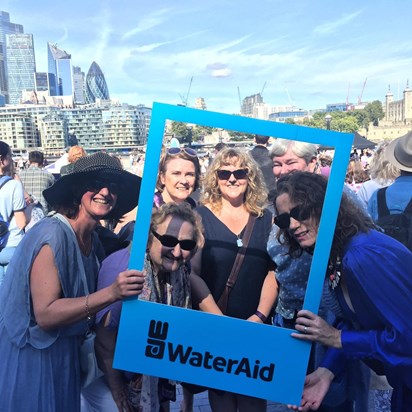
(200,103)
(398,118)
(249,103)
(78,85)
(60,71)
(6,27)
(337,107)
(94,126)
(95,86)
(290,114)
(41,82)
(399,111)
(21,65)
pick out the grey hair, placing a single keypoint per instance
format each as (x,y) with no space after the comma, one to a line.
(304,150)
(379,168)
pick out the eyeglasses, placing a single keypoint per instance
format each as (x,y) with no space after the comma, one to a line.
(176,150)
(97,185)
(171,241)
(297,213)
(238,174)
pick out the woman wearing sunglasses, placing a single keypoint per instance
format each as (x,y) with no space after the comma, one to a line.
(370,282)
(174,237)
(234,193)
(49,299)
(178,178)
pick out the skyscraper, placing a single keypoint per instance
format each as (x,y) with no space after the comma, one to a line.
(21,65)
(96,87)
(78,85)
(5,28)
(60,71)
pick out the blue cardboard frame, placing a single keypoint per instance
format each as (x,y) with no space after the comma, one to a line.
(217,351)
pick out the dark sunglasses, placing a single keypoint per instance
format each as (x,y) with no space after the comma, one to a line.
(97,185)
(176,150)
(238,174)
(171,241)
(297,213)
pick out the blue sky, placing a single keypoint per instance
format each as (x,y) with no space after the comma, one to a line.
(309,53)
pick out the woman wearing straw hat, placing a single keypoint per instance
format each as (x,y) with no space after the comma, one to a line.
(47,300)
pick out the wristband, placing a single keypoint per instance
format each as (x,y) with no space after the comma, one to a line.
(261,316)
(89,315)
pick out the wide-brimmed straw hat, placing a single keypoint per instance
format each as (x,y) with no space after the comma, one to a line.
(399,152)
(99,166)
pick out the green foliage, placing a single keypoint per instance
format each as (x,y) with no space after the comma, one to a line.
(350,121)
(374,111)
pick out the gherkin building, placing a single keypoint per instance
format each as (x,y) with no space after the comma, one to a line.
(95,87)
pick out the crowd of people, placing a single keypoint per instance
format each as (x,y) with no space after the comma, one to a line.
(232,235)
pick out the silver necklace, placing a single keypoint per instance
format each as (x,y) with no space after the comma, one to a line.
(239,241)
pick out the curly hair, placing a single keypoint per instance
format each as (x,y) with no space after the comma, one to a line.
(308,190)
(355,172)
(165,158)
(182,211)
(256,193)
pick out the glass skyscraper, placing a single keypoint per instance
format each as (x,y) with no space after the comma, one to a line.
(21,65)
(96,87)
(60,71)
(6,27)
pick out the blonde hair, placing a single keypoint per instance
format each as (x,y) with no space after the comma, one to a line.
(256,194)
(379,168)
(75,153)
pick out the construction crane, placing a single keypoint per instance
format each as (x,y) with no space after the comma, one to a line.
(240,99)
(186,98)
(363,88)
(263,88)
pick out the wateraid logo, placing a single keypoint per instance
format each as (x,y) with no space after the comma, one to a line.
(157,346)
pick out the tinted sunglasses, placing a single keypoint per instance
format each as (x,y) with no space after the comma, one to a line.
(297,213)
(97,185)
(171,241)
(238,174)
(176,150)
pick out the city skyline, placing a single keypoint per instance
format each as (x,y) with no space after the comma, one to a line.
(309,55)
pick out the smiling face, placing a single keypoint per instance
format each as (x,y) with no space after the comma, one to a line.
(178,180)
(99,199)
(290,162)
(169,259)
(233,189)
(305,232)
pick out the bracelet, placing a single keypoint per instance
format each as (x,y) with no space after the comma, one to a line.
(261,316)
(89,315)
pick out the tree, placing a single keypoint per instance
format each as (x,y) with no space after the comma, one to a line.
(374,112)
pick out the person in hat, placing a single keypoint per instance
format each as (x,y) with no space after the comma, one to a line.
(48,298)
(399,193)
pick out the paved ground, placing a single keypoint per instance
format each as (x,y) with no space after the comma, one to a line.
(201,403)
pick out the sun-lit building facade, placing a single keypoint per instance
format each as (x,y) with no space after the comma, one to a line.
(60,71)
(95,86)
(21,65)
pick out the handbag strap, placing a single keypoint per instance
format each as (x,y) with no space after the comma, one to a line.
(4,180)
(230,283)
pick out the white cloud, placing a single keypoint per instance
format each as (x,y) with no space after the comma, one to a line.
(332,26)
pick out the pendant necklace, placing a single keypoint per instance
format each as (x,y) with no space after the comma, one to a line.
(239,241)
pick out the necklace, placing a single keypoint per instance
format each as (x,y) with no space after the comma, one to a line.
(239,241)
(334,274)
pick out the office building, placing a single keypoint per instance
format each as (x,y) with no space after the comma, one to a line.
(95,86)
(21,65)
(60,71)
(78,85)
(6,27)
